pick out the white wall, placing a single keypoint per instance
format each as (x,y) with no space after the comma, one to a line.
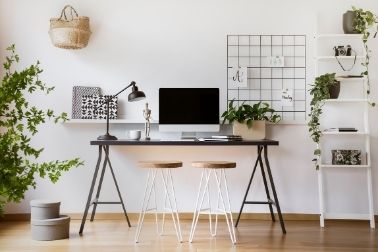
(171,43)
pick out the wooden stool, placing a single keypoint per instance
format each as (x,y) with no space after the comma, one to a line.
(218,169)
(164,168)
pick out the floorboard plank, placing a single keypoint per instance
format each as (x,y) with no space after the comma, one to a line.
(252,235)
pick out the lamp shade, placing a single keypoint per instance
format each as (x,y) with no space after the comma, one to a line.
(136,95)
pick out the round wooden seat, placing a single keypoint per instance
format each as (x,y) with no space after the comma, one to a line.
(159,164)
(214,164)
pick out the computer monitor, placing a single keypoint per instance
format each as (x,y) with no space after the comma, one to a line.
(189,109)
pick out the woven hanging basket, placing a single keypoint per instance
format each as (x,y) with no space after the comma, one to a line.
(69,33)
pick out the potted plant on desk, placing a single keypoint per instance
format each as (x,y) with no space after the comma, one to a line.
(249,121)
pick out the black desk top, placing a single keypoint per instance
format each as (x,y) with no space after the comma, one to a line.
(183,142)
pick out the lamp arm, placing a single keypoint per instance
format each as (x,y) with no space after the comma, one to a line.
(131,84)
(112,96)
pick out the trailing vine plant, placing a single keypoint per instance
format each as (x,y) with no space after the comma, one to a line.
(319,92)
(19,122)
(365,22)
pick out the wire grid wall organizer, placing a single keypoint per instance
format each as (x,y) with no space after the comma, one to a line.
(266,82)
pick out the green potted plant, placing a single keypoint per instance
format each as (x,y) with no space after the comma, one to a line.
(19,122)
(320,91)
(249,121)
(362,22)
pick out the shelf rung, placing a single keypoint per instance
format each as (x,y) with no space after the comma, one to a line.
(338,35)
(346,216)
(343,166)
(339,57)
(351,79)
(345,100)
(344,133)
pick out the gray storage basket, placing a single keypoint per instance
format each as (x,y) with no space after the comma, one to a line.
(44,209)
(51,229)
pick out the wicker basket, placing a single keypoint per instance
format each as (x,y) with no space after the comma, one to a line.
(69,33)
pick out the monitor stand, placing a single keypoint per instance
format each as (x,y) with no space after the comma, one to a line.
(188,136)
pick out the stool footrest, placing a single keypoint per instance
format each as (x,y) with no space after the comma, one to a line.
(150,209)
(204,209)
(207,213)
(217,211)
(168,210)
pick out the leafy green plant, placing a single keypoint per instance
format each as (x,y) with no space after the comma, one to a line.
(246,113)
(319,92)
(19,122)
(365,22)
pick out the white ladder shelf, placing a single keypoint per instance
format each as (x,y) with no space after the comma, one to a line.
(365,134)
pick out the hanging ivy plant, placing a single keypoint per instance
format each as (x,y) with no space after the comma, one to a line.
(19,122)
(366,23)
(319,92)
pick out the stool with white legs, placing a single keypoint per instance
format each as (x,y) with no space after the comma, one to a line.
(217,168)
(162,168)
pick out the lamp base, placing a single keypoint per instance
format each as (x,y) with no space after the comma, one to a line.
(107,137)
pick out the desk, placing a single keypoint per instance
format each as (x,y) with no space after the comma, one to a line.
(262,153)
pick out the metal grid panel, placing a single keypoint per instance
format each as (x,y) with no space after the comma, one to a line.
(265,83)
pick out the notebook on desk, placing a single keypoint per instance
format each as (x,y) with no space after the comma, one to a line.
(201,139)
(223,138)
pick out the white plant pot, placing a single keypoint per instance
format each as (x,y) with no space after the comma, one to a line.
(256,132)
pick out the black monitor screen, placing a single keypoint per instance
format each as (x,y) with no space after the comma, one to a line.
(189,106)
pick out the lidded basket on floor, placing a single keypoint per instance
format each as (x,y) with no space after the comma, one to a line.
(51,229)
(44,209)
(46,222)
(69,31)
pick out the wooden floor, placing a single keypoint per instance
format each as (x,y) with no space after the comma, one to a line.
(252,235)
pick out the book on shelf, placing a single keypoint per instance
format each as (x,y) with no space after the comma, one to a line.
(347,129)
(349,76)
(341,129)
(331,130)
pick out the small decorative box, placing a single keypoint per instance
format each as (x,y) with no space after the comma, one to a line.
(77,93)
(94,107)
(346,157)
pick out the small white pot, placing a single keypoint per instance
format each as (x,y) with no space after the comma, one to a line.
(256,132)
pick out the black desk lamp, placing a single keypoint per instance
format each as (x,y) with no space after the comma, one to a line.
(135,95)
